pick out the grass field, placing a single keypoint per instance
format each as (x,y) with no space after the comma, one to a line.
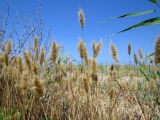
(36,87)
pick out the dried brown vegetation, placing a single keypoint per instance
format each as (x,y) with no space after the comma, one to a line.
(35,87)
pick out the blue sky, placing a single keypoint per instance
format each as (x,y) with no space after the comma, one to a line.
(61,16)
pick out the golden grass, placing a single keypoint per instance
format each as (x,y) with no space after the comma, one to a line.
(35,87)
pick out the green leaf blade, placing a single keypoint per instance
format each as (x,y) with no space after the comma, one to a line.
(131,15)
(153,1)
(137,13)
(152,21)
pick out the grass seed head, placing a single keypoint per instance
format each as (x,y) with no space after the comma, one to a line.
(135,59)
(83,51)
(114,52)
(38,87)
(42,56)
(81,18)
(27,60)
(54,52)
(96,48)
(140,53)
(81,48)
(34,67)
(129,48)
(20,64)
(25,84)
(36,44)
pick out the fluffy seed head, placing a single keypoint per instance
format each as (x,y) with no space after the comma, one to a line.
(36,44)
(20,65)
(25,84)
(93,46)
(83,51)
(54,51)
(76,74)
(135,59)
(27,60)
(157,51)
(81,48)
(42,56)
(114,52)
(81,18)
(34,67)
(129,48)
(96,48)
(140,53)
(38,87)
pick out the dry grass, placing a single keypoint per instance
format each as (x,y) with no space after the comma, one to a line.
(35,87)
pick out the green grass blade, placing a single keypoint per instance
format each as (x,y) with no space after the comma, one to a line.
(152,21)
(131,15)
(153,1)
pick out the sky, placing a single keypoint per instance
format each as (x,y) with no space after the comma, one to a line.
(61,17)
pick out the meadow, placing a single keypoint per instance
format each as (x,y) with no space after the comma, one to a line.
(34,86)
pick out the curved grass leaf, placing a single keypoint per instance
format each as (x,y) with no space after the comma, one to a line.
(131,15)
(152,21)
(153,1)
